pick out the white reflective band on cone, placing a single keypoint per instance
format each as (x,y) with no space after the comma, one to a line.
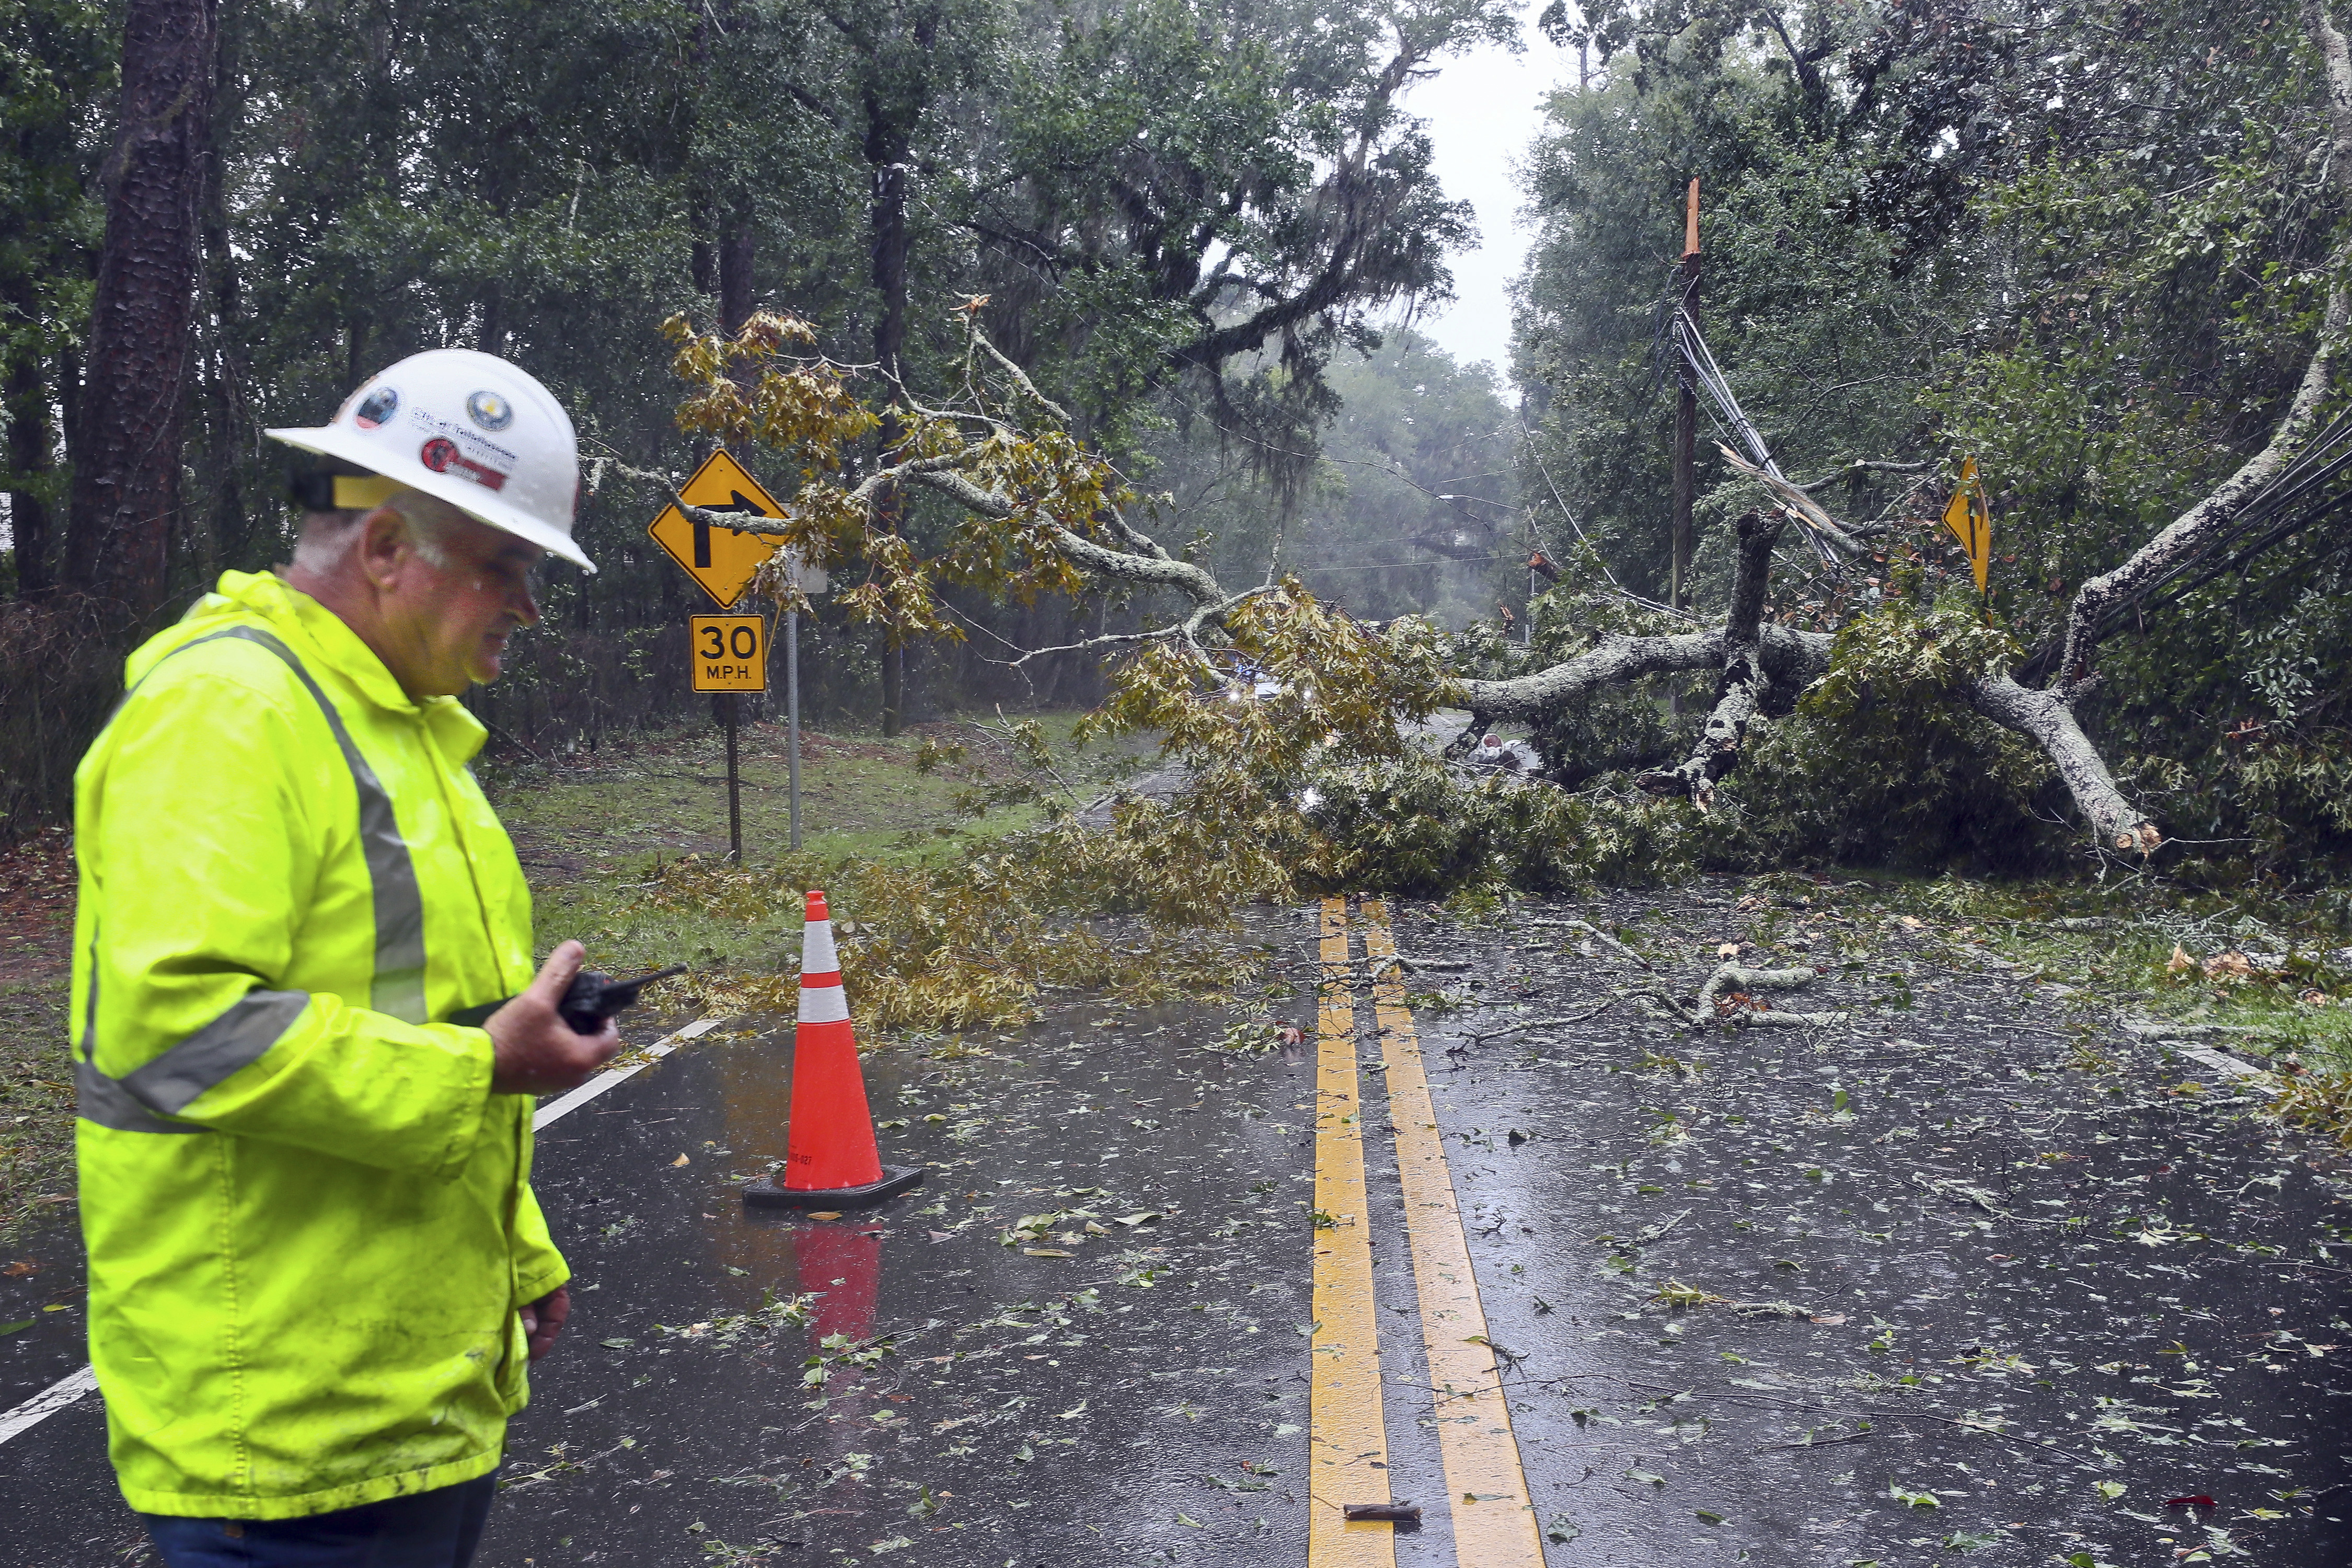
(817,954)
(824,1004)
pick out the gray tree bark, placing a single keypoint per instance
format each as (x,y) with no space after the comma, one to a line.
(126,459)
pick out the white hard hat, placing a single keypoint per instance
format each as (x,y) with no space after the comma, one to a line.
(469,430)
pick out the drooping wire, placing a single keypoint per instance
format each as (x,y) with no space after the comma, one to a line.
(2281,502)
(1681,354)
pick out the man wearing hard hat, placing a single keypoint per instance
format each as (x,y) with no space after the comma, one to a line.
(316,1267)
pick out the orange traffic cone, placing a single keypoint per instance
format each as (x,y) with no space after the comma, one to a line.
(830,1160)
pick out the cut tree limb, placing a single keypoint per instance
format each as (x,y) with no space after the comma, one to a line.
(1732,979)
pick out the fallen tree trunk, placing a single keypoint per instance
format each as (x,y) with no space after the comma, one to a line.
(1746,683)
(1791,656)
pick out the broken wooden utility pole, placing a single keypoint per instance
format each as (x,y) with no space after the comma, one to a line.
(1685,414)
(1686,428)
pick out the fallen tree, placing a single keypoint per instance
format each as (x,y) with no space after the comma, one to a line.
(1041,514)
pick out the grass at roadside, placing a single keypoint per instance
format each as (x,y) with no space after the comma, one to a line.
(667,795)
(35,1073)
(2267,977)
(596,832)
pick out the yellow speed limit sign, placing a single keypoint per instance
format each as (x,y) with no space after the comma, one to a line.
(729,653)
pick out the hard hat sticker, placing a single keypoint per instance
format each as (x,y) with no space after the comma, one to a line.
(489,411)
(378,405)
(441,455)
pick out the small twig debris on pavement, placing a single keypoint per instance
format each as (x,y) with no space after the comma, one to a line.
(1481,1039)
(1597,935)
(1399,1512)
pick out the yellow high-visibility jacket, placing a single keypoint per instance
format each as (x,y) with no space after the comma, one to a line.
(310,1221)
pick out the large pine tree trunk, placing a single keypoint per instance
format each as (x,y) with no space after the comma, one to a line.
(134,394)
(229,531)
(739,250)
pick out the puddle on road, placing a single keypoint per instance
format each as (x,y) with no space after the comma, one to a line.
(1945,1293)
(754,1387)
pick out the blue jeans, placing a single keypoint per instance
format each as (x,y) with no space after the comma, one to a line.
(425,1530)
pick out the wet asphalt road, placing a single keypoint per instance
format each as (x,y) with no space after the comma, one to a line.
(1965,1282)
(1922,1287)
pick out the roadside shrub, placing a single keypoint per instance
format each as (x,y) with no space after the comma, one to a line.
(1420,829)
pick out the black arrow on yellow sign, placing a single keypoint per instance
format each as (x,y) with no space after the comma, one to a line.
(740,503)
(723,558)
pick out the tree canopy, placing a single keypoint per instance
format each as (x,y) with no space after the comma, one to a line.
(1115,305)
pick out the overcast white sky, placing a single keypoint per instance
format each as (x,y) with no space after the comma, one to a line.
(1483,110)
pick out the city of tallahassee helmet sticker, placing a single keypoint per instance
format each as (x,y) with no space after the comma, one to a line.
(453,448)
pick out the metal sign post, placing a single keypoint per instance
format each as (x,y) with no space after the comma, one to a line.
(792,713)
(734,789)
(730,655)
(808,580)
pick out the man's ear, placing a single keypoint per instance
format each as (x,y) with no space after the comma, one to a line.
(383,544)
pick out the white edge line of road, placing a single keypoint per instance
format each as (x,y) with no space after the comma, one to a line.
(47,1402)
(2206,1056)
(73,1385)
(557,1109)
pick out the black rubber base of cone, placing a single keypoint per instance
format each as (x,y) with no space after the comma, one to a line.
(768,1193)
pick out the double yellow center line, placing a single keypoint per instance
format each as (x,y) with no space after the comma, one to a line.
(1348,1444)
(1486,1492)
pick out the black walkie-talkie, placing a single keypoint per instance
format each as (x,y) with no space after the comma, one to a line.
(592,999)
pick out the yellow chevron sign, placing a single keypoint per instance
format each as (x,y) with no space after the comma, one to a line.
(1969,517)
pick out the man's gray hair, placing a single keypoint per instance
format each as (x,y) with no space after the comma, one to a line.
(327,536)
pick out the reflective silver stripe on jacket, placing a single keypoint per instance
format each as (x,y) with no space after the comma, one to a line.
(236,1038)
(138,1102)
(249,1026)
(99,1098)
(399,987)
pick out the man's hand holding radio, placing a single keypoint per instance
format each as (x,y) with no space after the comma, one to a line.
(536,1052)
